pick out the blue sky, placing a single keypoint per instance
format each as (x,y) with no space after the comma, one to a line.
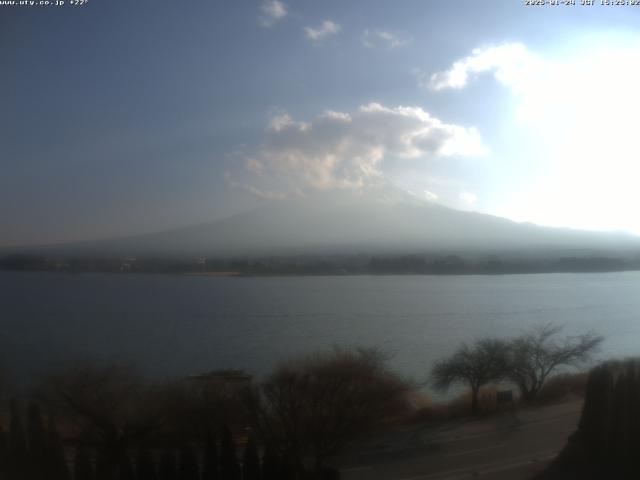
(126,117)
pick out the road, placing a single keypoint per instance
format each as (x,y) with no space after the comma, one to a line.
(500,447)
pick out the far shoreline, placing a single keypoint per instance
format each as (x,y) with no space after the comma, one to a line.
(232,274)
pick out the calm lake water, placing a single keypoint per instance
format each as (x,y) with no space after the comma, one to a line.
(175,325)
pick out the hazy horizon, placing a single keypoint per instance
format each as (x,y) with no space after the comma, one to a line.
(322,210)
(379,219)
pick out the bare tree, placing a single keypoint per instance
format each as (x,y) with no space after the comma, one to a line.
(198,409)
(533,356)
(474,366)
(312,407)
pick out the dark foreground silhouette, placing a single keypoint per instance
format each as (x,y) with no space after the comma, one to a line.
(606,444)
(37,453)
(114,425)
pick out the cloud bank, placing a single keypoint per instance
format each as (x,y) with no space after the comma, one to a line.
(340,150)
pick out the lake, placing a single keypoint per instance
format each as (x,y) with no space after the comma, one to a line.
(178,325)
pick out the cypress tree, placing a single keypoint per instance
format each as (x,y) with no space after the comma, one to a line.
(605,423)
(103,468)
(168,470)
(288,467)
(590,407)
(607,444)
(125,469)
(593,422)
(83,469)
(270,464)
(330,473)
(229,468)
(146,466)
(188,464)
(18,464)
(4,453)
(56,463)
(618,450)
(36,441)
(634,422)
(633,419)
(250,462)
(210,460)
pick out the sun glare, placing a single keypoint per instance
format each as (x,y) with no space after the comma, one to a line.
(581,116)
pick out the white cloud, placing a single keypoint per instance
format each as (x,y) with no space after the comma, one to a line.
(272,11)
(382,38)
(347,150)
(512,64)
(324,30)
(468,198)
(283,121)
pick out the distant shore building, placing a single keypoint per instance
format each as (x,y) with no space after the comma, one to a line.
(127,264)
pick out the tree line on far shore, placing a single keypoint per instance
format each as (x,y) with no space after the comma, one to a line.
(430,264)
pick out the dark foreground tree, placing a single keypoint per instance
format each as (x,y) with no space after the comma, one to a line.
(250,461)
(17,439)
(125,469)
(312,407)
(202,405)
(4,453)
(270,464)
(168,469)
(104,470)
(83,469)
(56,462)
(146,467)
(188,464)
(607,441)
(18,465)
(210,459)
(229,468)
(535,355)
(473,366)
(111,405)
(37,442)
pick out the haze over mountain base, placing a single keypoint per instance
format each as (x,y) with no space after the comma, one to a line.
(381,221)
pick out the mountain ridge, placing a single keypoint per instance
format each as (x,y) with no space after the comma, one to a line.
(375,221)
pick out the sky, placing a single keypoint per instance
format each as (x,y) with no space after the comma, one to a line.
(121,117)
